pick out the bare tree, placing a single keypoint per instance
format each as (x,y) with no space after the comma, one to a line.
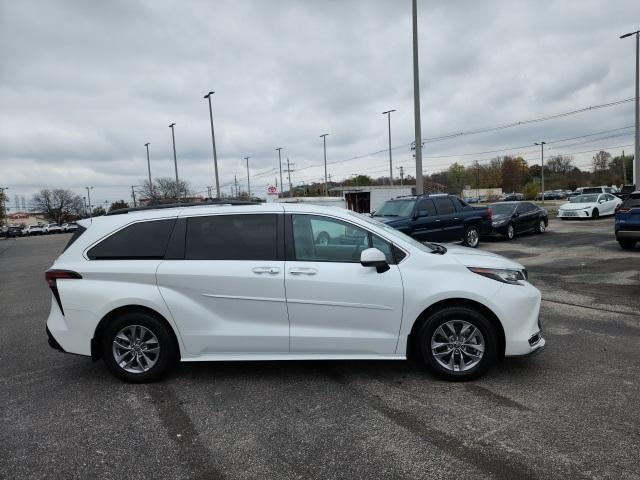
(559,165)
(59,205)
(601,160)
(164,188)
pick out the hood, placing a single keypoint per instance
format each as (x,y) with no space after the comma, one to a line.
(576,206)
(472,257)
(386,220)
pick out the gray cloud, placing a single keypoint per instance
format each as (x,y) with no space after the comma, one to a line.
(83,85)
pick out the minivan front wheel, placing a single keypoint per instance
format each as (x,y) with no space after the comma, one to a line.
(138,348)
(457,343)
(471,237)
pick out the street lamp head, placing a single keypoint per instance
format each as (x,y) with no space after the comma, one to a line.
(209,94)
(629,34)
(388,111)
(324,135)
(147,144)
(172,125)
(540,143)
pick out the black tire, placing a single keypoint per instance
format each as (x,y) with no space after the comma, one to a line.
(471,236)
(510,232)
(563,219)
(627,244)
(541,227)
(323,238)
(167,355)
(441,317)
(595,214)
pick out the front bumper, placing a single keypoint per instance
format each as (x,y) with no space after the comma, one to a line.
(518,309)
(574,213)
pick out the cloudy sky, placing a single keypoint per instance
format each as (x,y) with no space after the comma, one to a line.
(83,85)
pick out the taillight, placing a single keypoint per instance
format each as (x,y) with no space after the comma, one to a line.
(490,213)
(53,275)
(620,208)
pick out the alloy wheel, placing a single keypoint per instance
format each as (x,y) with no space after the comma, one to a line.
(135,349)
(541,226)
(472,237)
(457,345)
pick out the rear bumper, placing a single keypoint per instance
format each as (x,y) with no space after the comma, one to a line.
(53,343)
(628,234)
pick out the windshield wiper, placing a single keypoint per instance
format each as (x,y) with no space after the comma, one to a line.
(386,215)
(436,248)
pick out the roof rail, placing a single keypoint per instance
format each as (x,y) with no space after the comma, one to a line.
(214,201)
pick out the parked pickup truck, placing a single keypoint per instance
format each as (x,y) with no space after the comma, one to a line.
(436,218)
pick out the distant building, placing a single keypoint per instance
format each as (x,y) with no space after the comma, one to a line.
(27,218)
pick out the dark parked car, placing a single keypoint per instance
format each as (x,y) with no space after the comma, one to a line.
(436,218)
(13,231)
(512,218)
(626,190)
(627,221)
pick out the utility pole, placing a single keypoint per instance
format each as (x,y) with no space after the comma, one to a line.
(248,181)
(477,181)
(175,161)
(235,182)
(280,165)
(624,169)
(289,173)
(89,199)
(416,102)
(636,158)
(388,114)
(542,144)
(213,141)
(401,168)
(324,146)
(149,169)
(133,195)
(209,187)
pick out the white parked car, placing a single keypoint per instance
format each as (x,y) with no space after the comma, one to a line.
(52,228)
(32,230)
(144,289)
(69,227)
(590,205)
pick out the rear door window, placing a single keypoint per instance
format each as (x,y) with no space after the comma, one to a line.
(232,237)
(425,208)
(139,241)
(444,205)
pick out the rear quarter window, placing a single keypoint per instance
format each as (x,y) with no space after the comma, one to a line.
(140,241)
(632,201)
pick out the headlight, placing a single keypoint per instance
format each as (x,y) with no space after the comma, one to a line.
(511,277)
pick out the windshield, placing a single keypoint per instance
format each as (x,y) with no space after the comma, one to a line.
(395,208)
(585,199)
(392,232)
(502,208)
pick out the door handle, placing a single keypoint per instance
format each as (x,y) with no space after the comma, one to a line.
(303,271)
(269,270)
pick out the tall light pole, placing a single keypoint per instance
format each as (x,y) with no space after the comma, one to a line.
(248,181)
(149,169)
(542,144)
(3,210)
(636,158)
(89,200)
(324,145)
(213,141)
(416,102)
(175,161)
(388,114)
(280,165)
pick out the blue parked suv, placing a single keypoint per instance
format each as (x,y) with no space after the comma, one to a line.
(436,218)
(627,221)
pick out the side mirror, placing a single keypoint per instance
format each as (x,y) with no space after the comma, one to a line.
(600,201)
(372,257)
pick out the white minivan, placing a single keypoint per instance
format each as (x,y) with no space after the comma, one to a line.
(145,289)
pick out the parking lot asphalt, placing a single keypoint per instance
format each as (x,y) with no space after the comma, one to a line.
(571,412)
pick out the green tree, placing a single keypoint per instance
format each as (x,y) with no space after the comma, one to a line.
(530,190)
(98,211)
(456,177)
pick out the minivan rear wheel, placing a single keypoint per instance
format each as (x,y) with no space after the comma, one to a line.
(138,348)
(457,343)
